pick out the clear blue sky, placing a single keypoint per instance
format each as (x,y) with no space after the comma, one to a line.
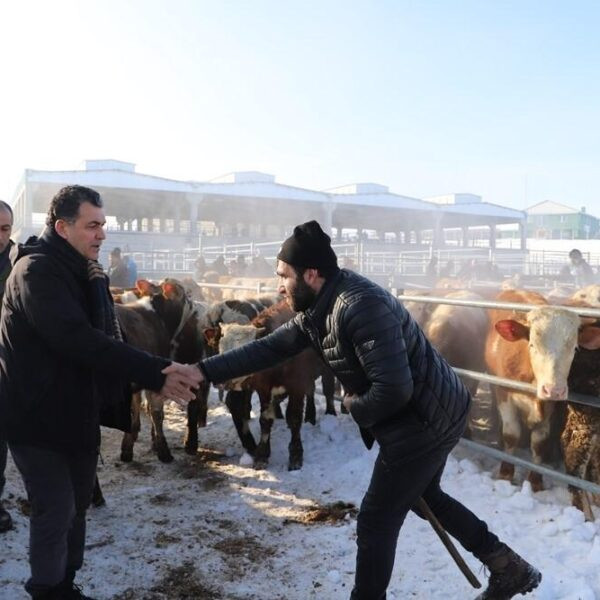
(497,98)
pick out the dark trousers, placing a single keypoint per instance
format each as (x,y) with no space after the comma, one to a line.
(59,487)
(3,454)
(392,492)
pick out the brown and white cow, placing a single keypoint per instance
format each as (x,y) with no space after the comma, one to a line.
(535,347)
(294,378)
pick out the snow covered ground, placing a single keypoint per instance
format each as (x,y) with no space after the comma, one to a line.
(208,527)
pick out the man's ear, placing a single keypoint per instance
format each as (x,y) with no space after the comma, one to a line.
(311,275)
(60,227)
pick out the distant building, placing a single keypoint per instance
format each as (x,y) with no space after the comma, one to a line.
(554,221)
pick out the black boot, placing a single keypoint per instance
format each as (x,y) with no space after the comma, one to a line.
(73,592)
(5,519)
(509,575)
(70,590)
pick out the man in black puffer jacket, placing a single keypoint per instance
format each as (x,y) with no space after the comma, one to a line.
(401,393)
(64,371)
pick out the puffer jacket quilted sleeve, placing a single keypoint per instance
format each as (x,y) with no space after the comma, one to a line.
(374,329)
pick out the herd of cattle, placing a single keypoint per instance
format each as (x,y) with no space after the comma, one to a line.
(549,346)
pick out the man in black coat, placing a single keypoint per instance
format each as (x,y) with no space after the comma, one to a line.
(64,371)
(6,224)
(401,393)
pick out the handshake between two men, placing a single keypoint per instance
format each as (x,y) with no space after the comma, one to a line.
(181,382)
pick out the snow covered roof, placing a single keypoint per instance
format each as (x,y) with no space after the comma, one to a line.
(548,207)
(114,174)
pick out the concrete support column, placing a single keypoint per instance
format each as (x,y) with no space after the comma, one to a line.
(465,237)
(523,234)
(194,201)
(493,237)
(328,208)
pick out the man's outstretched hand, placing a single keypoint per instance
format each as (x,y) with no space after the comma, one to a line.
(180,383)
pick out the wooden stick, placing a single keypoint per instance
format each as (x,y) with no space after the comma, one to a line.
(587,506)
(458,559)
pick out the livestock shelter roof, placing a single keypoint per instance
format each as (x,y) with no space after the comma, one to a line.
(251,196)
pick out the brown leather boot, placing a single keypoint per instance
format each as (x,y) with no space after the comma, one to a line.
(509,575)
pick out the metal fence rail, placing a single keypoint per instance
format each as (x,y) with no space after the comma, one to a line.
(583,484)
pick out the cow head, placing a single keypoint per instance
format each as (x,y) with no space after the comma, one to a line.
(234,335)
(553,335)
(147,288)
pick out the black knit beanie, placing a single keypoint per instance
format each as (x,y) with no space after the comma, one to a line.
(309,246)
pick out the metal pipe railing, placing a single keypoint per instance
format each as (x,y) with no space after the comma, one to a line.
(581,311)
(582,484)
(529,388)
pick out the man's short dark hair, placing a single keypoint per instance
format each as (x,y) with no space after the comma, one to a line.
(66,202)
(6,206)
(575,253)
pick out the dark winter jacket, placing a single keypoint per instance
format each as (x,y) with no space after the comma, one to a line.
(408,397)
(58,374)
(5,267)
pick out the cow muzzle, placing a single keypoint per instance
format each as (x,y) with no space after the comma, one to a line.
(549,391)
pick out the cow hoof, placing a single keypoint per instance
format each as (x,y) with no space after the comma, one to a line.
(126,455)
(536,481)
(295,464)
(310,419)
(164,454)
(191,447)
(330,411)
(344,410)
(260,464)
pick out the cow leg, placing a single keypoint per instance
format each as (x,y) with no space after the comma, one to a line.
(239,404)
(190,442)
(97,495)
(294,420)
(310,415)
(539,441)
(277,400)
(159,442)
(129,439)
(511,432)
(328,387)
(267,416)
(197,411)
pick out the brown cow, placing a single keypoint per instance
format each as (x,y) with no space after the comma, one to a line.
(294,377)
(534,347)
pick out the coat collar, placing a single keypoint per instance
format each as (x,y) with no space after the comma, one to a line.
(320,307)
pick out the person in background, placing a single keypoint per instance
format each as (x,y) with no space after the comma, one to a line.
(578,270)
(64,371)
(132,270)
(118,273)
(219,265)
(398,389)
(199,268)
(6,224)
